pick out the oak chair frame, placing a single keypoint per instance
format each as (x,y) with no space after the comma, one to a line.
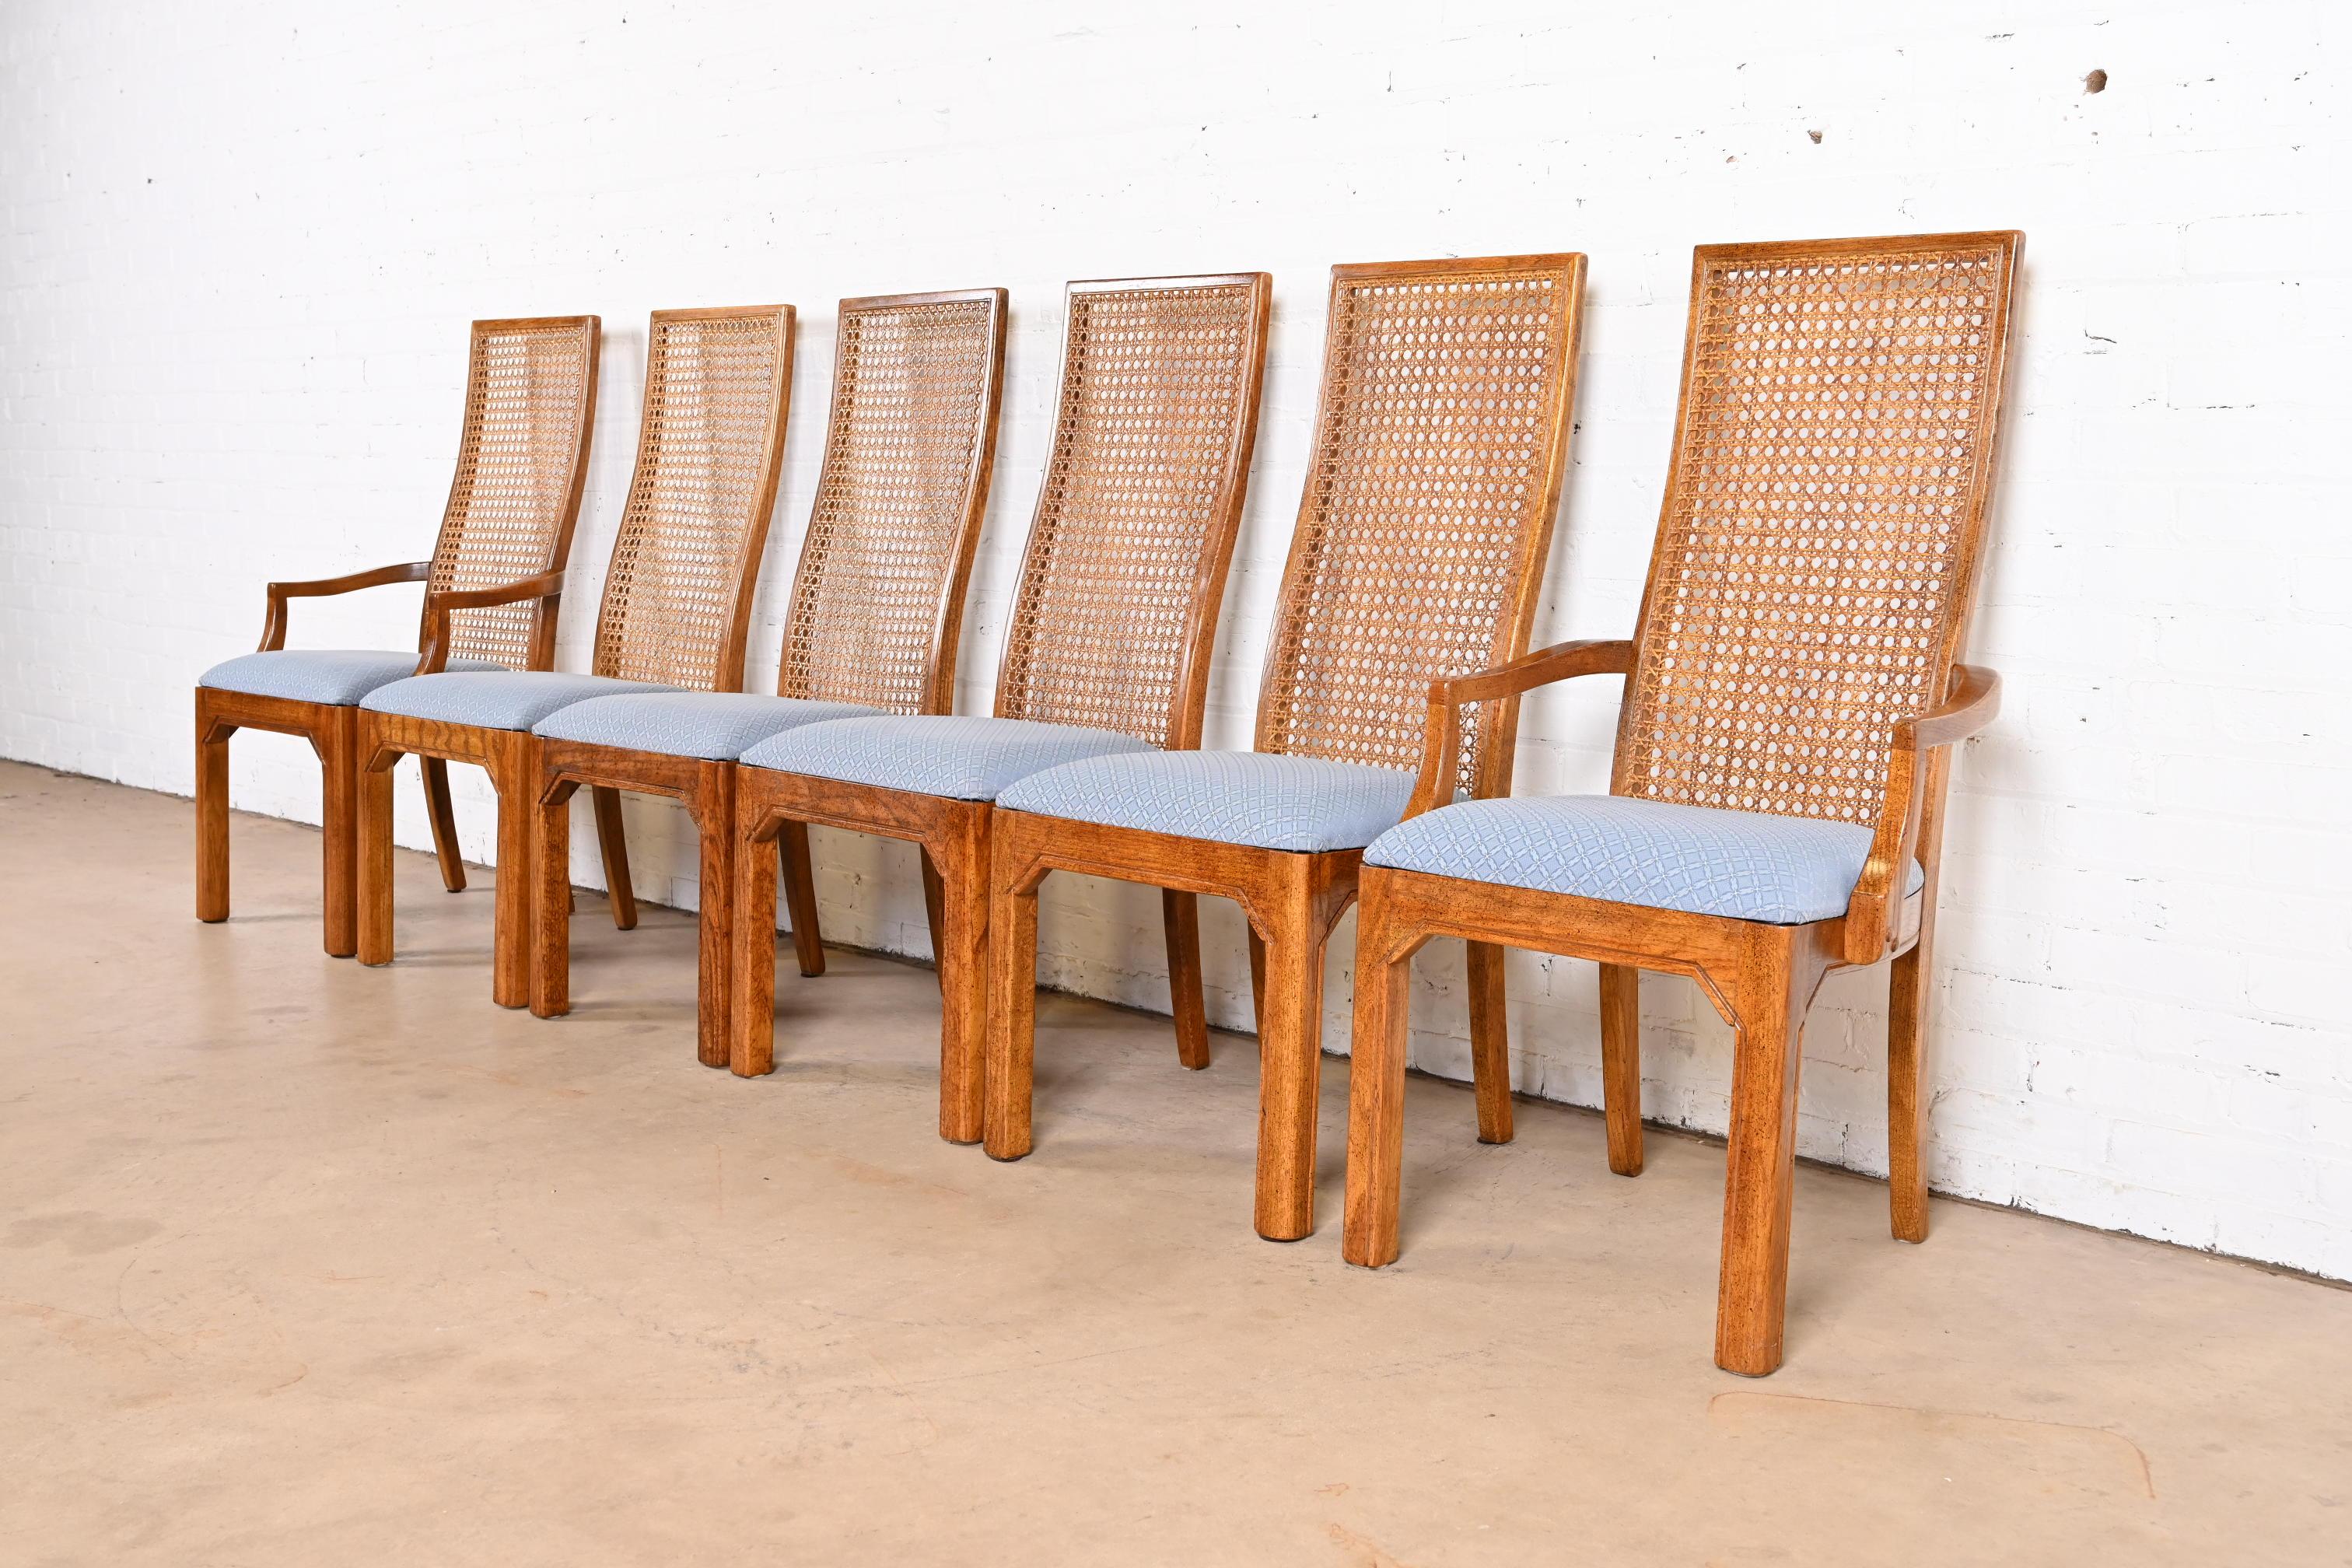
(512,758)
(955,837)
(707,789)
(332,729)
(1293,900)
(1761,978)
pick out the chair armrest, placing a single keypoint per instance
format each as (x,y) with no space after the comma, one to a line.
(1441,747)
(548,585)
(1974,701)
(273,621)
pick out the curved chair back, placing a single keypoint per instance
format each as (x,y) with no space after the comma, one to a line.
(1134,529)
(522,458)
(1823,519)
(878,603)
(677,598)
(1440,440)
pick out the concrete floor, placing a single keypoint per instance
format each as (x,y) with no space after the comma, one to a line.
(305,1263)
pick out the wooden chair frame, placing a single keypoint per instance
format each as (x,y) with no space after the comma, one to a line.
(1291,900)
(955,835)
(512,758)
(332,730)
(1761,978)
(707,789)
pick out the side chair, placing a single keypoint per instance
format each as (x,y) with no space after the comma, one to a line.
(1108,649)
(877,613)
(522,458)
(1776,810)
(676,611)
(1440,442)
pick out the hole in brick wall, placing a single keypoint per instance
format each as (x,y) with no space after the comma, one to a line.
(2095,82)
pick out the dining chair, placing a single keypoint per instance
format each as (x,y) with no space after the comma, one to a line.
(1107,648)
(522,456)
(1776,809)
(676,607)
(1439,446)
(877,613)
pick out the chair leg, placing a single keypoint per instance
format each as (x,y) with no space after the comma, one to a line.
(374,833)
(1257,977)
(514,774)
(1752,1293)
(1906,1091)
(714,815)
(1490,1043)
(800,897)
(1290,1061)
(1012,1013)
(336,743)
(1376,1082)
(1621,1064)
(612,840)
(752,984)
(934,914)
(551,904)
(212,814)
(1180,914)
(964,978)
(443,814)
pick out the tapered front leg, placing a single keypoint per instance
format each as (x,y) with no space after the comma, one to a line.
(1375,1078)
(714,815)
(374,833)
(962,859)
(336,743)
(1012,1008)
(514,774)
(551,913)
(212,813)
(1775,988)
(751,986)
(1180,914)
(1290,1059)
(1621,1064)
(1490,1043)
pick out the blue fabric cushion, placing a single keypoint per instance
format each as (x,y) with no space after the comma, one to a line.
(716,725)
(337,677)
(1306,804)
(934,754)
(1782,870)
(503,699)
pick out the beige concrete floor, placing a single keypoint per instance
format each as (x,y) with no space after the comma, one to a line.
(305,1263)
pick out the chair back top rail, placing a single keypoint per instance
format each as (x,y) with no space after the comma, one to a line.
(1441,441)
(878,603)
(677,595)
(522,461)
(1127,551)
(1823,518)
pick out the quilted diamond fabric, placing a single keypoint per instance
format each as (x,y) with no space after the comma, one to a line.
(718,726)
(500,699)
(1273,801)
(337,677)
(959,757)
(1781,871)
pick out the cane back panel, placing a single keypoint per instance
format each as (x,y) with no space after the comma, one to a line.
(1823,518)
(1440,442)
(877,601)
(1134,529)
(530,393)
(677,598)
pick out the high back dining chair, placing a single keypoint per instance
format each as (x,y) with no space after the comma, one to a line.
(676,607)
(1776,809)
(1108,649)
(522,456)
(1439,447)
(877,610)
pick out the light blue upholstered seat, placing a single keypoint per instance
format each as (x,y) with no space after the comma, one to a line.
(718,726)
(501,700)
(1271,802)
(1781,871)
(960,757)
(337,677)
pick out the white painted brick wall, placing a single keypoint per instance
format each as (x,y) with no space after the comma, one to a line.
(242,245)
